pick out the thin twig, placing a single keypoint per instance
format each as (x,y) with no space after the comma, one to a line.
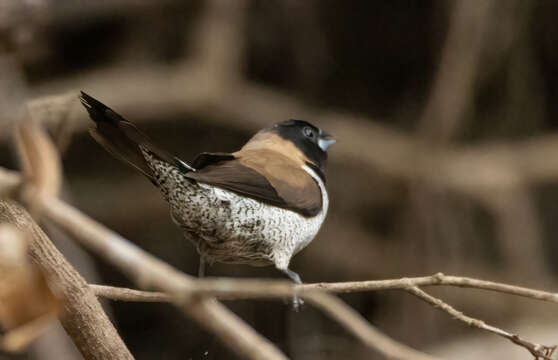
(435,280)
(537,350)
(125,294)
(233,289)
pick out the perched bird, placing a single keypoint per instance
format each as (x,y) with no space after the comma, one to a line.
(258,206)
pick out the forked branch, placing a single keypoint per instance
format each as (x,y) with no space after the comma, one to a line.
(234,289)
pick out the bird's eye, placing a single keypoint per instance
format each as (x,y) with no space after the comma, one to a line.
(308,132)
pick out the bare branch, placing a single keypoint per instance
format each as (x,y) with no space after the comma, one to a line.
(233,289)
(83,318)
(217,41)
(453,85)
(537,350)
(56,110)
(10,182)
(125,294)
(27,305)
(39,162)
(435,280)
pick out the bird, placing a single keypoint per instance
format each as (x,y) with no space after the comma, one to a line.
(257,206)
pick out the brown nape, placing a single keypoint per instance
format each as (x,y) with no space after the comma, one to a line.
(270,141)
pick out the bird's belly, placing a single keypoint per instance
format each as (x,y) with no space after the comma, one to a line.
(230,228)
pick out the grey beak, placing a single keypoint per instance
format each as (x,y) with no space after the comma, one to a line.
(325,141)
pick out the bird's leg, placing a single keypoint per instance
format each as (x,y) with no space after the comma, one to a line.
(297,301)
(201,268)
(294,276)
(202,251)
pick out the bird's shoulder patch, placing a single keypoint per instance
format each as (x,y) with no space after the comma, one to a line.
(208,158)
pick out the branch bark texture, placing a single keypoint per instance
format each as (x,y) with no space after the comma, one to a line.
(82,317)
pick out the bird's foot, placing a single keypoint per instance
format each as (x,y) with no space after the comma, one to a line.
(297,300)
(297,303)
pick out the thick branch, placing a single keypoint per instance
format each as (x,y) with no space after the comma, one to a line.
(83,318)
(453,85)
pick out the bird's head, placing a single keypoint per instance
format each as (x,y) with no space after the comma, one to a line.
(296,139)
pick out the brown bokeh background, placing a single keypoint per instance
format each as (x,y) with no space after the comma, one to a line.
(444,112)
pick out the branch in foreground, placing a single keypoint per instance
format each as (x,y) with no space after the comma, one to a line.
(83,318)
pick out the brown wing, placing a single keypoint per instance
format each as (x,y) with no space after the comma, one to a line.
(265,176)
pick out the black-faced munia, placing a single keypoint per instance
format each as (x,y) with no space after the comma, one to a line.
(258,206)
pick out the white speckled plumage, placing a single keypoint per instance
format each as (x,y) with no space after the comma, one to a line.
(229,228)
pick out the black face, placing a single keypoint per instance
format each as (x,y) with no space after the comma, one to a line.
(312,141)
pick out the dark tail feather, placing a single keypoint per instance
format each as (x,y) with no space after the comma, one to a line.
(118,136)
(122,138)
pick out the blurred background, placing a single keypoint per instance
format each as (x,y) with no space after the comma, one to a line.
(446,157)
